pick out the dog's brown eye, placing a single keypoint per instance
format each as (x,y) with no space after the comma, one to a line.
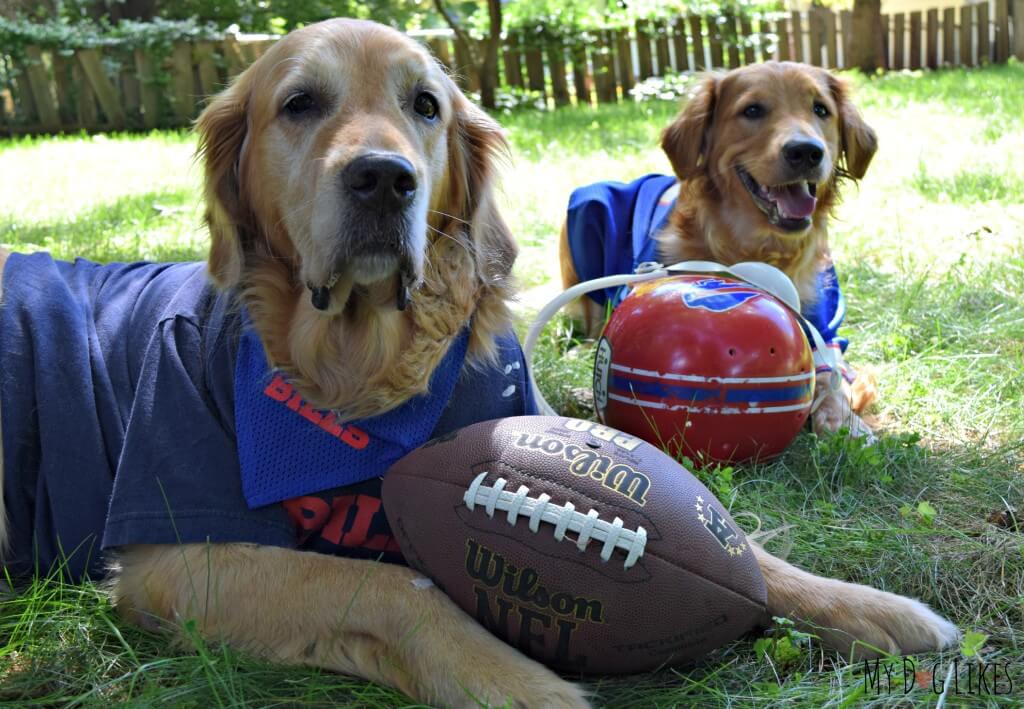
(754,110)
(299,104)
(426,105)
(821,110)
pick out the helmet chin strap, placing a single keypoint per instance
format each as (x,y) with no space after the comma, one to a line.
(762,276)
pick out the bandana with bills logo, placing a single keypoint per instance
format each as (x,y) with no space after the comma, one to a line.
(287,449)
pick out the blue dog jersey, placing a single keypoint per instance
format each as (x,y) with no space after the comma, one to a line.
(611,228)
(119,422)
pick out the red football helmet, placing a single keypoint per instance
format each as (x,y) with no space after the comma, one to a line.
(707,366)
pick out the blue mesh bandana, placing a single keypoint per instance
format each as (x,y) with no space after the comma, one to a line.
(287,449)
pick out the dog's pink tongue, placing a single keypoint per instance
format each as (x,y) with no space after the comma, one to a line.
(795,201)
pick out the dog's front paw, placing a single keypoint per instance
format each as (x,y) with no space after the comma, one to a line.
(834,413)
(451,660)
(876,622)
(502,677)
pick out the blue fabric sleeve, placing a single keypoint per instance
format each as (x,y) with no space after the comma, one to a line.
(59,418)
(611,225)
(599,225)
(178,477)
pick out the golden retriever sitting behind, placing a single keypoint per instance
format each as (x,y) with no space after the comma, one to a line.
(349,194)
(760,153)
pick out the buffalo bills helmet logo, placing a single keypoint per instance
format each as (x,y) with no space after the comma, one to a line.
(717,295)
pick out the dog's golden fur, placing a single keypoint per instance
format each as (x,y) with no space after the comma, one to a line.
(380,621)
(715,218)
(261,220)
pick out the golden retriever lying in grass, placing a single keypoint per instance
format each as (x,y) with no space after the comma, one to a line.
(759,154)
(349,199)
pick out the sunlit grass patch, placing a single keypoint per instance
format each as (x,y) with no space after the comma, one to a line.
(968,186)
(154,226)
(993,94)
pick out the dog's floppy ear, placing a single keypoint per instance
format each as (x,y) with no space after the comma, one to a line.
(685,139)
(858,139)
(475,144)
(222,128)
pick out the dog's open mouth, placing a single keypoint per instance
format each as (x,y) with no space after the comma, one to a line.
(788,207)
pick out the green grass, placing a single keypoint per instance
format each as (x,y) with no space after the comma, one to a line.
(930,249)
(970,185)
(118,197)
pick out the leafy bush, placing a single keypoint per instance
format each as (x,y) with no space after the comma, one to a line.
(671,87)
(65,37)
(575,21)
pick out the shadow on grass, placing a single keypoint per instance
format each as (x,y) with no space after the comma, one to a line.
(161,225)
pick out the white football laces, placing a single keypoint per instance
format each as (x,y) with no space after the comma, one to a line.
(565,518)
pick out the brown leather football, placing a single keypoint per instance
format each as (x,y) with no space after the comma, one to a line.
(589,549)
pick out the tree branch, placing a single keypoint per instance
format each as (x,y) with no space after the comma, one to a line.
(468,42)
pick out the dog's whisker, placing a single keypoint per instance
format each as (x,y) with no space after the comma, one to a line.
(450,216)
(460,242)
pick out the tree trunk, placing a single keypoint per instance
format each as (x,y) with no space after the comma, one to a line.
(138,9)
(867,50)
(482,55)
(489,65)
(488,91)
(117,10)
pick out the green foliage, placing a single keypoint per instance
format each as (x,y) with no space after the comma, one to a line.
(993,95)
(575,22)
(717,477)
(861,461)
(512,98)
(118,42)
(924,513)
(972,642)
(128,35)
(286,15)
(671,87)
(783,645)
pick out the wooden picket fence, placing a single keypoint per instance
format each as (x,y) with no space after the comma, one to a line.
(48,92)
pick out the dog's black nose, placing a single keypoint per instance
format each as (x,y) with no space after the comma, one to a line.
(803,153)
(383,182)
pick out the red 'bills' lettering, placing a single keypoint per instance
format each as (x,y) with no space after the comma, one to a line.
(353,436)
(345,522)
